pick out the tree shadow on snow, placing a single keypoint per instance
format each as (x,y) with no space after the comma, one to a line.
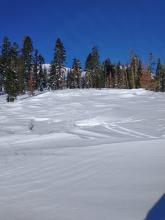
(158,210)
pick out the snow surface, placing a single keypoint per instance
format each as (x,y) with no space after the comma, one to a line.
(82,154)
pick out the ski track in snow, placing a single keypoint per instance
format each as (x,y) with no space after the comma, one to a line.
(71,154)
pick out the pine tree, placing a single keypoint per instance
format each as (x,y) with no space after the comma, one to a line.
(160,76)
(57,66)
(140,69)
(135,74)
(27,52)
(151,64)
(109,74)
(1,75)
(96,71)
(128,76)
(35,69)
(93,69)
(118,75)
(20,72)
(126,72)
(101,77)
(11,81)
(70,79)
(52,77)
(8,66)
(5,59)
(38,72)
(88,75)
(41,74)
(46,80)
(74,76)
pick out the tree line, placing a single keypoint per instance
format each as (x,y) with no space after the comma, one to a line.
(22,70)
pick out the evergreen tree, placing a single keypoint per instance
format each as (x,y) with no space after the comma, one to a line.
(140,69)
(121,76)
(20,72)
(35,69)
(135,74)
(125,69)
(128,76)
(5,59)
(11,80)
(42,80)
(109,74)
(8,68)
(57,66)
(74,76)
(118,75)
(88,75)
(151,64)
(93,69)
(52,77)
(70,79)
(101,77)
(1,75)
(27,52)
(46,76)
(38,72)
(160,76)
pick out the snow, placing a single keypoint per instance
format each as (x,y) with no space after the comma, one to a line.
(82,154)
(48,66)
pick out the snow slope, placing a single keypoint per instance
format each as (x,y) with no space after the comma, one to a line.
(82,154)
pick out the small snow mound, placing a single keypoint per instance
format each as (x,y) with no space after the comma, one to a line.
(127,95)
(88,123)
(139,91)
(40,119)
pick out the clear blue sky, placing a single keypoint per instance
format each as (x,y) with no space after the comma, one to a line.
(115,26)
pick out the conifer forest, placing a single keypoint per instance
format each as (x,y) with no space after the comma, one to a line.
(22,70)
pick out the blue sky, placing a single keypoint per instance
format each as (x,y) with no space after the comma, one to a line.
(116,27)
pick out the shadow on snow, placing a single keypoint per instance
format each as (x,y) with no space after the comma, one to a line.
(157,212)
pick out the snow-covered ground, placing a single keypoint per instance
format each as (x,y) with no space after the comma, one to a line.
(82,154)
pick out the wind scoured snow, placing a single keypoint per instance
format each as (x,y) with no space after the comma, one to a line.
(82,154)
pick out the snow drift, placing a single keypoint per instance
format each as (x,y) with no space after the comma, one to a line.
(82,154)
